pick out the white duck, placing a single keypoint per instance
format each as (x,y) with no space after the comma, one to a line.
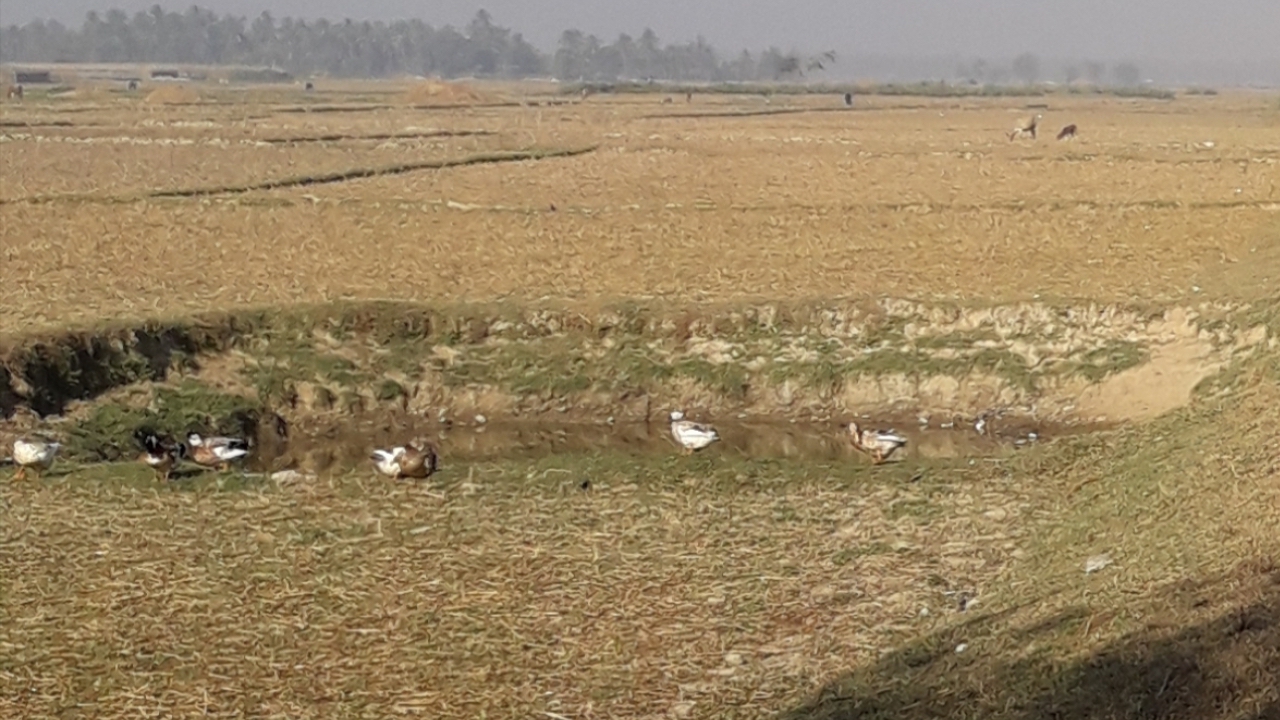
(35,454)
(880,444)
(692,436)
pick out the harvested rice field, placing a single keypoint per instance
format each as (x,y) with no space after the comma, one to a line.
(1078,339)
(902,198)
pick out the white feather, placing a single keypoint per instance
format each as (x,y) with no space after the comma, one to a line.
(888,437)
(195,440)
(388,461)
(222,452)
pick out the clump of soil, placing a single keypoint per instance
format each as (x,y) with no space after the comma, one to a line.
(438,92)
(172,95)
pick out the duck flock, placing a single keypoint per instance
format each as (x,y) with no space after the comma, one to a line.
(412,460)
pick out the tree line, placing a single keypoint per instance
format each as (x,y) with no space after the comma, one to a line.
(1025,68)
(412,47)
(375,49)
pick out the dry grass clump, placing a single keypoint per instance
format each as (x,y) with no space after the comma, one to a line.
(439,92)
(172,95)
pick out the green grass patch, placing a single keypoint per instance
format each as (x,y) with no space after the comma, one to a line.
(123,475)
(106,433)
(963,340)
(923,88)
(852,554)
(1114,357)
(830,372)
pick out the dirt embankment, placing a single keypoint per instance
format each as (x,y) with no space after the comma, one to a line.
(446,94)
(891,359)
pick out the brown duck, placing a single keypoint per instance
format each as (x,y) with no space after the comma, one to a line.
(407,461)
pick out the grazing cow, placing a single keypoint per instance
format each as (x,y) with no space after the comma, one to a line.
(1068,132)
(309,86)
(1025,126)
(15,91)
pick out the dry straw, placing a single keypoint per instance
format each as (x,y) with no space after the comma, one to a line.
(441,93)
(172,95)
(506,598)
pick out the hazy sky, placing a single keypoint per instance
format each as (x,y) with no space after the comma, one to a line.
(1177,30)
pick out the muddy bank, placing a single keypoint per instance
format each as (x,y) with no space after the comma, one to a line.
(633,363)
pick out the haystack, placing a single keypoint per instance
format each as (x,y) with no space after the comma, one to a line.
(439,92)
(172,95)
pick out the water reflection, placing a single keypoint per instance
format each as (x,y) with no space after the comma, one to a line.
(331,448)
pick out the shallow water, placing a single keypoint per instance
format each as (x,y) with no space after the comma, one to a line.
(349,446)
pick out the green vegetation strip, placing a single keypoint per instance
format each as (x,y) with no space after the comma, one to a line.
(453,106)
(360,173)
(27,124)
(918,89)
(305,180)
(751,113)
(337,137)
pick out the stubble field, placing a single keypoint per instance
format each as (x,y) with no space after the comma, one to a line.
(908,198)
(615,584)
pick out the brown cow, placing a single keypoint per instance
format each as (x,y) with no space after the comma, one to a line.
(15,91)
(1068,132)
